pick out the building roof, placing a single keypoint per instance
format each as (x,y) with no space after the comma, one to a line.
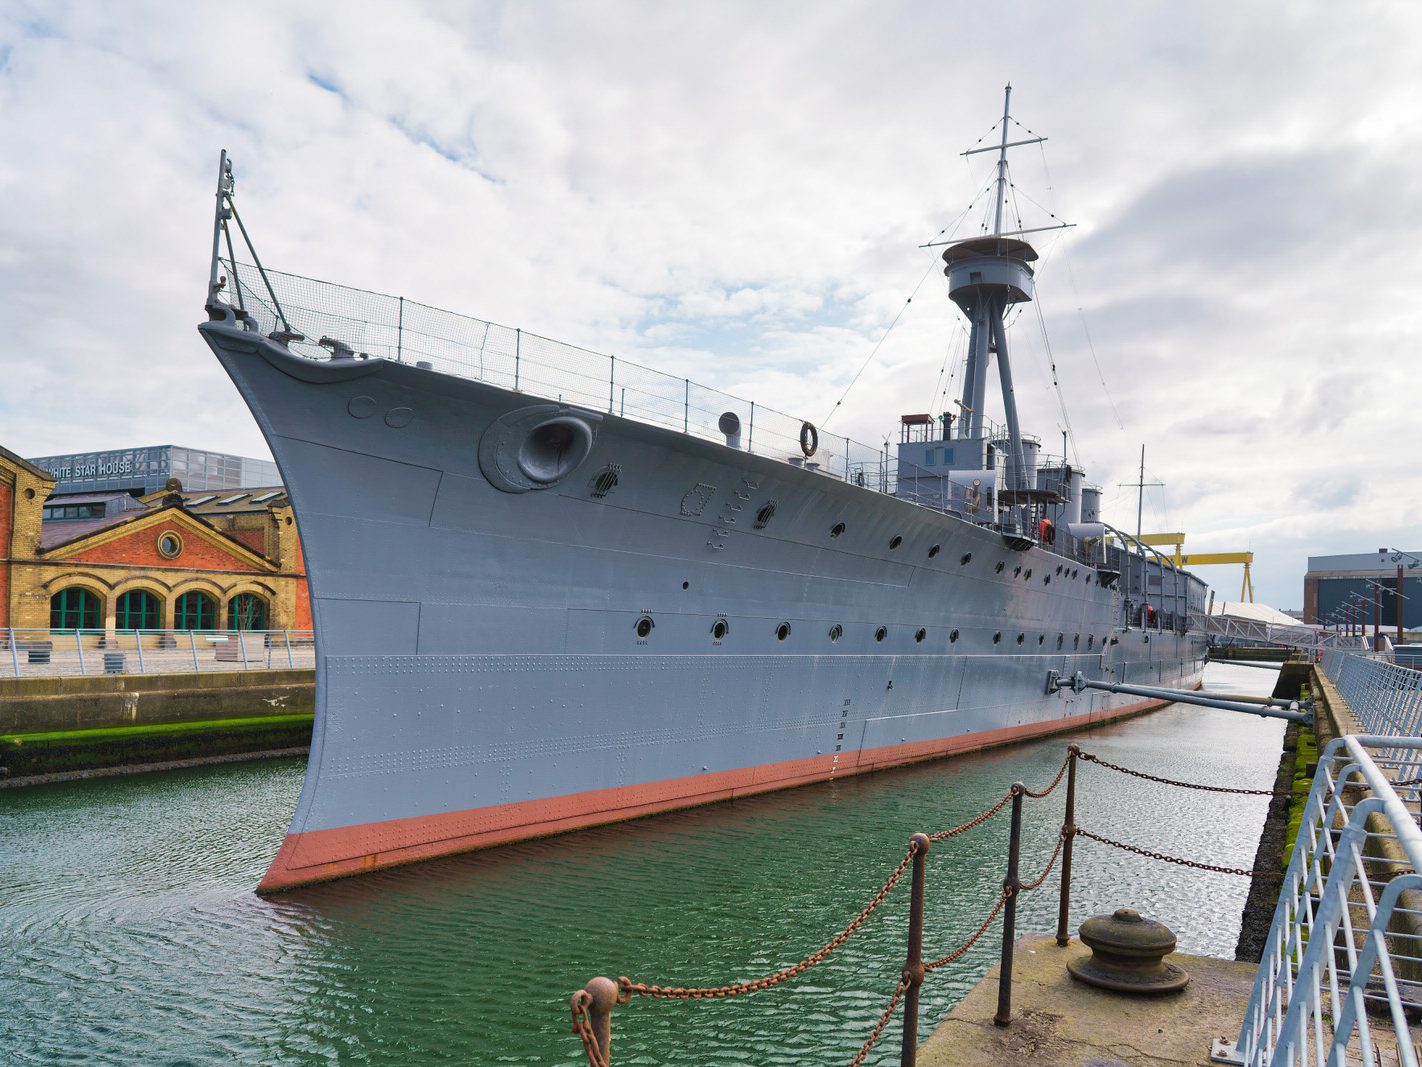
(61,531)
(21,462)
(61,499)
(225,501)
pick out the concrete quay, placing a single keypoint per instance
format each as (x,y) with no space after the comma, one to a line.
(1058,1021)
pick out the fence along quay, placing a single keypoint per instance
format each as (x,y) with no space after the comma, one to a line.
(592,1006)
(44,653)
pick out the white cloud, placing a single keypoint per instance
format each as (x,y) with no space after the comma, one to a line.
(738,190)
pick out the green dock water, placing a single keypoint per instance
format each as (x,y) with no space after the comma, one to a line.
(131,933)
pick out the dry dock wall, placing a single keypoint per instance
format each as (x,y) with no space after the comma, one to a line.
(34,705)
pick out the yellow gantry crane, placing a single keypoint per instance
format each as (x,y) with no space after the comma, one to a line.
(1204,559)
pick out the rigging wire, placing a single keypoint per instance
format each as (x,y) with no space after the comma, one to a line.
(877,345)
(1091,346)
(933,263)
(1057,385)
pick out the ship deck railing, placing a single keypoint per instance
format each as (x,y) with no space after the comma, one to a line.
(335,318)
(58,653)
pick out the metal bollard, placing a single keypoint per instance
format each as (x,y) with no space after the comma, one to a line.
(597,998)
(1009,916)
(913,966)
(1068,837)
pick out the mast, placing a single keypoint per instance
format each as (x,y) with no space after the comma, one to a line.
(1140,495)
(1002,163)
(986,276)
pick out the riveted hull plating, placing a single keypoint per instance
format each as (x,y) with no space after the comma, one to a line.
(481,675)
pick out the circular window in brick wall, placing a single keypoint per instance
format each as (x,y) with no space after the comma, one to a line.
(170,545)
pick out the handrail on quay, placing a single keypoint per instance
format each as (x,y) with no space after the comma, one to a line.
(45,653)
(1341,968)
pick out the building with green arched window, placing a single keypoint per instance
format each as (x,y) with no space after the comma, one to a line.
(175,559)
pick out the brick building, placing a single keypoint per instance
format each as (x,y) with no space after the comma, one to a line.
(171,559)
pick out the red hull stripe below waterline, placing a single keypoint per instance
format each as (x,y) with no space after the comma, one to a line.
(321,855)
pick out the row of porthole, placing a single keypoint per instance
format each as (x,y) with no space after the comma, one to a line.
(967,558)
(720,628)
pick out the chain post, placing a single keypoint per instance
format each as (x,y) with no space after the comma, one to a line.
(1068,837)
(913,966)
(1010,885)
(596,999)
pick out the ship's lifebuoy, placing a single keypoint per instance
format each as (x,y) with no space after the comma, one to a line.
(1047,532)
(809,439)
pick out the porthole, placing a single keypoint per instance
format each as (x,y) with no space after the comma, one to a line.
(836,632)
(719,629)
(1059,568)
(1021,638)
(686,585)
(967,558)
(169,544)
(920,635)
(1090,641)
(1073,572)
(953,637)
(1046,579)
(837,529)
(1028,573)
(782,631)
(1017,571)
(1076,641)
(933,551)
(895,542)
(997,638)
(999,567)
(881,633)
(763,516)
(1041,639)
(1060,638)
(644,625)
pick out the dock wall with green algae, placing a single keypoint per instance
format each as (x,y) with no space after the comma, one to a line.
(40,705)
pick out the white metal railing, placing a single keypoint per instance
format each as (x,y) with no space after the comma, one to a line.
(1342,968)
(26,653)
(1385,698)
(1229,629)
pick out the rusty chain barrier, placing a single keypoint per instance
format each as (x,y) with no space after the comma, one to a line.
(1196,864)
(1183,785)
(591,1007)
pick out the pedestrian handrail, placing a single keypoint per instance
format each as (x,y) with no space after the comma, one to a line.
(47,653)
(1385,698)
(592,1005)
(1341,968)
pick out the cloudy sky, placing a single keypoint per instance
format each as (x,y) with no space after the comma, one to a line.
(737,192)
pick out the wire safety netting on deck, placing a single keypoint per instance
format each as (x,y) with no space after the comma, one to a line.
(339,320)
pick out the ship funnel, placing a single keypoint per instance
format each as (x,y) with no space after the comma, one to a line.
(730,425)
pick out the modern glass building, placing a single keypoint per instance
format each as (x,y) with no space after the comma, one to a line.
(147,470)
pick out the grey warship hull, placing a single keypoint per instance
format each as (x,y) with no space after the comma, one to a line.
(524,630)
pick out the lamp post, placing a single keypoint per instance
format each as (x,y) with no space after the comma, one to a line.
(1396,555)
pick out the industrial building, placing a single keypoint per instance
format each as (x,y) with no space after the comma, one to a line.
(1363,588)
